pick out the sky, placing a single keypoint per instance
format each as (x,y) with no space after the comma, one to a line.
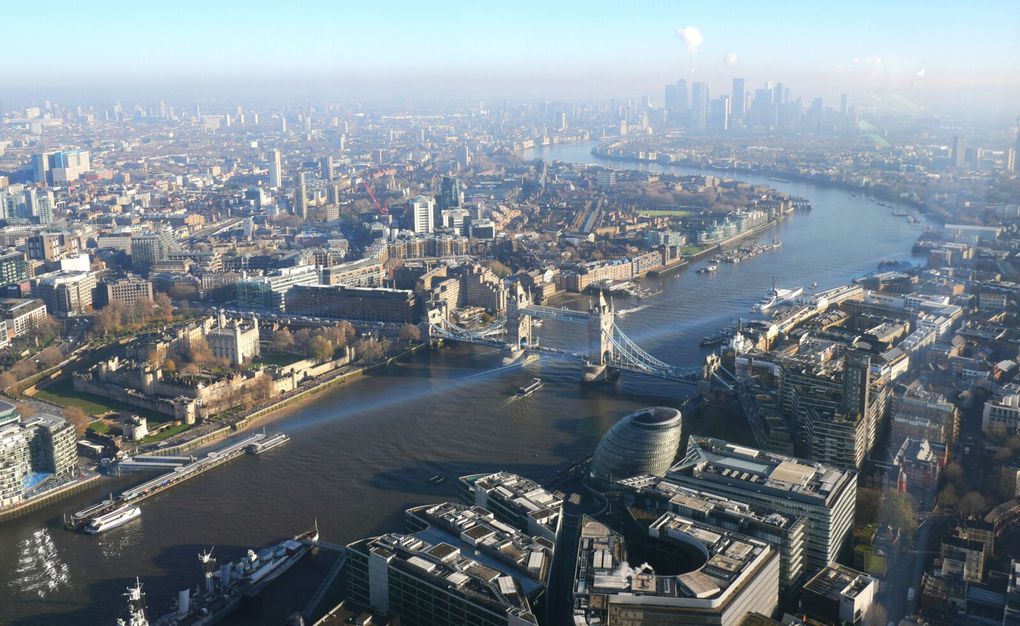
(504,48)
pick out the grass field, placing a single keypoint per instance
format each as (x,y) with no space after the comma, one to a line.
(166,433)
(63,393)
(689,250)
(664,213)
(277,358)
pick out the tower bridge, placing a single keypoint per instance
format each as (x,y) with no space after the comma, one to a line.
(610,351)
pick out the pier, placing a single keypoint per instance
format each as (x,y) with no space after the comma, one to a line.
(183,469)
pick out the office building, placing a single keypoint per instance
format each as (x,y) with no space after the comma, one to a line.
(67,294)
(35,205)
(326,168)
(450,194)
(300,196)
(268,292)
(128,290)
(677,100)
(958,152)
(22,315)
(422,211)
(275,170)
(737,102)
(60,168)
(427,579)
(839,595)
(150,248)
(515,500)
(642,443)
(785,531)
(719,114)
(13,268)
(824,496)
(691,573)
(699,107)
(353,303)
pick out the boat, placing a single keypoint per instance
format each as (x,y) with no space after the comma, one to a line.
(108,521)
(648,293)
(777,296)
(268,443)
(713,340)
(708,269)
(526,390)
(136,607)
(225,586)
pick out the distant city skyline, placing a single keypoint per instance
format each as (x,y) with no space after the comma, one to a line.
(527,49)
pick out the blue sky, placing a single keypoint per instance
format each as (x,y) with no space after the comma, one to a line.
(566,46)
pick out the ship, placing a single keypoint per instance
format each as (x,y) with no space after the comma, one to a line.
(226,586)
(713,340)
(777,296)
(708,269)
(268,443)
(136,607)
(108,521)
(526,390)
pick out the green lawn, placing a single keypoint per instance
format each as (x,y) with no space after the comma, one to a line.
(277,358)
(689,250)
(166,433)
(99,426)
(664,213)
(62,392)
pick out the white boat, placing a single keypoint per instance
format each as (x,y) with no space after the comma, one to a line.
(708,269)
(113,519)
(777,296)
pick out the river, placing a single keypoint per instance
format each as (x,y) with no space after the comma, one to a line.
(361,454)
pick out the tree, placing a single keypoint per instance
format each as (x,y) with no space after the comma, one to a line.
(369,350)
(164,307)
(26,410)
(409,333)
(50,357)
(898,510)
(282,341)
(169,365)
(972,503)
(78,418)
(7,380)
(320,348)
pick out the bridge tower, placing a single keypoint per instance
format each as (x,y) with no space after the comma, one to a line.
(518,323)
(601,321)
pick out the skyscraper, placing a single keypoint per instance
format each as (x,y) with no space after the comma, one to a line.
(421,214)
(275,170)
(737,102)
(719,114)
(326,168)
(676,100)
(959,151)
(301,196)
(450,195)
(699,107)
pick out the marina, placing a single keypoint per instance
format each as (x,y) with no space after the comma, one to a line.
(100,513)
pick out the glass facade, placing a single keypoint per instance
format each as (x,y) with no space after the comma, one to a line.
(644,442)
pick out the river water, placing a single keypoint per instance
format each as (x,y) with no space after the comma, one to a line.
(361,454)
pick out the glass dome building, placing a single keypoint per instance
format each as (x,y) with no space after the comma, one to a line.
(644,442)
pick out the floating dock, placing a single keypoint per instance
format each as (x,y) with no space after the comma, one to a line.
(183,469)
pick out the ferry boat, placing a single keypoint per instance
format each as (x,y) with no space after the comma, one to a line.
(526,390)
(713,340)
(108,521)
(777,296)
(708,269)
(268,443)
(227,585)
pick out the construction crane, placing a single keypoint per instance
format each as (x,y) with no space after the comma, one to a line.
(382,208)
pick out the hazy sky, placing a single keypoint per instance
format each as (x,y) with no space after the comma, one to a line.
(530,47)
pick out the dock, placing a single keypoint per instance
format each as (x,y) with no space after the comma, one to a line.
(183,469)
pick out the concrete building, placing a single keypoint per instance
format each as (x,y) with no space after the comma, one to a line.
(127,290)
(13,268)
(422,218)
(149,248)
(275,170)
(268,292)
(839,595)
(515,500)
(67,294)
(785,531)
(22,315)
(693,573)
(354,303)
(1001,415)
(824,496)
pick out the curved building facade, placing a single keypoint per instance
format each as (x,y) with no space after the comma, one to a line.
(644,442)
